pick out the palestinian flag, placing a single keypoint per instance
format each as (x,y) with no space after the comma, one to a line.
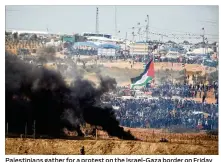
(145,77)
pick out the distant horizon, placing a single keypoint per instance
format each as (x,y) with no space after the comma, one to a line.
(175,23)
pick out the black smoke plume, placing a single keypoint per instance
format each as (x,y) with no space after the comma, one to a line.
(41,95)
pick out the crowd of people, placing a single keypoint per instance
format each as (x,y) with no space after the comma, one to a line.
(168,89)
(181,59)
(165,112)
(167,105)
(185,90)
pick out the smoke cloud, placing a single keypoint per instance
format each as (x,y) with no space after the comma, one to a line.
(41,95)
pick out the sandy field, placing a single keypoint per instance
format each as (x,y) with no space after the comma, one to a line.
(147,144)
(107,147)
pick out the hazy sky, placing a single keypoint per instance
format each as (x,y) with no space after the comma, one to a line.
(178,20)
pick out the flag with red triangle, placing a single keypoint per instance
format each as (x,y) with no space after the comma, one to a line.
(145,77)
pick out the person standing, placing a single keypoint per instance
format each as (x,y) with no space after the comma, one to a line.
(195,92)
(204,97)
(200,92)
(82,152)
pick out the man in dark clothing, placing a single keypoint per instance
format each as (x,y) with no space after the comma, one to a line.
(196,90)
(195,93)
(82,151)
(198,86)
(204,97)
(205,93)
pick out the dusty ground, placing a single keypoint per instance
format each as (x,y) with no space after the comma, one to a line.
(178,143)
(157,65)
(122,70)
(107,147)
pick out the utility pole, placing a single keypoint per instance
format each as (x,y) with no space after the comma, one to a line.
(139,29)
(147,27)
(97,21)
(126,42)
(203,40)
(133,41)
(147,30)
(133,34)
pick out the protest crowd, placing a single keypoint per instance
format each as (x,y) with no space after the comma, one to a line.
(185,90)
(167,105)
(165,112)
